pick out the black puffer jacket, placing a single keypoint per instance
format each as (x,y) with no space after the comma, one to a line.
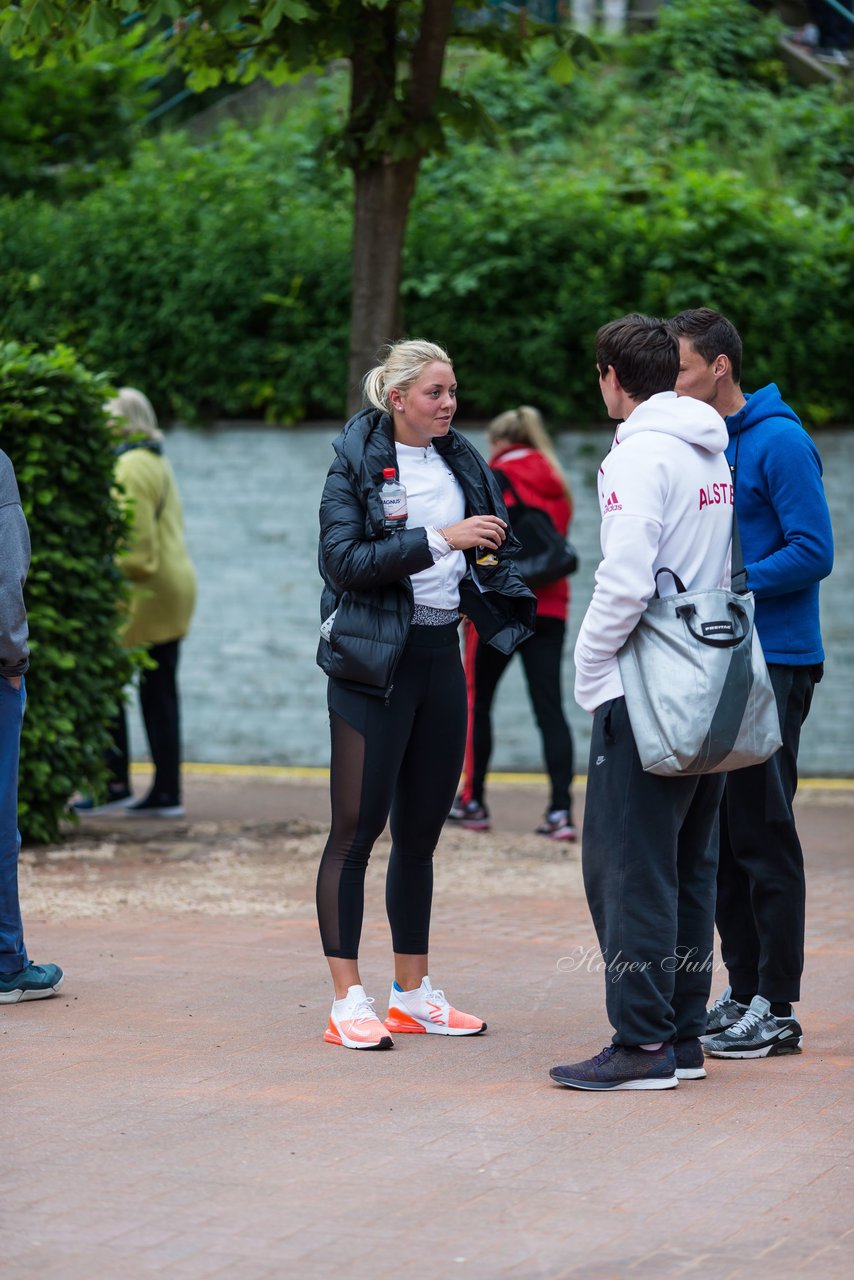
(366,571)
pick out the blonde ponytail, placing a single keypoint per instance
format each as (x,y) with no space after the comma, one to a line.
(525,426)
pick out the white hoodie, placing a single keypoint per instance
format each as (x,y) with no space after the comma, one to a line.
(665,492)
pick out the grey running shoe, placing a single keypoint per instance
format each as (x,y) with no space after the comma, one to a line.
(725,1012)
(690,1059)
(758,1034)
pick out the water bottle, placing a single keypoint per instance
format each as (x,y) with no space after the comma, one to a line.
(393,497)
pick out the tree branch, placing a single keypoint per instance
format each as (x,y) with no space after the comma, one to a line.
(428,58)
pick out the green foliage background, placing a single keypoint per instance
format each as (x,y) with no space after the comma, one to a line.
(53,428)
(63,133)
(681,169)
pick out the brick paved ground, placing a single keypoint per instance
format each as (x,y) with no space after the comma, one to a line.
(175,1112)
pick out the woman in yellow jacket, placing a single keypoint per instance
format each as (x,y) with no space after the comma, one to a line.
(156,561)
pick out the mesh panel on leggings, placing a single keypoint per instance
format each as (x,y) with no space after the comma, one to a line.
(341,875)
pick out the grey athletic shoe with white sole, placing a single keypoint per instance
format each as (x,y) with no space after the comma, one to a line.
(725,1012)
(758,1034)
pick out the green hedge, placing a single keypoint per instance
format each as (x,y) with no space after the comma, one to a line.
(53,428)
(221,285)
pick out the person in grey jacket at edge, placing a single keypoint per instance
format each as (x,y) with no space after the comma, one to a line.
(19,978)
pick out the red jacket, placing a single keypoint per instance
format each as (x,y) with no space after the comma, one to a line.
(538,485)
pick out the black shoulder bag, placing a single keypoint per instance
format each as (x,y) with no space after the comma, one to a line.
(546,556)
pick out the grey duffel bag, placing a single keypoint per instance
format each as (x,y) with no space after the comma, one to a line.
(697,689)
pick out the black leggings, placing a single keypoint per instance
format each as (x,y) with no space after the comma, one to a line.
(401,760)
(541,657)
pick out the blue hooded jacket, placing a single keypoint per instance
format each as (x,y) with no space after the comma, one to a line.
(784,522)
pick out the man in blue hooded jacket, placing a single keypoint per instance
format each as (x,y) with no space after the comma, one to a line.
(787,542)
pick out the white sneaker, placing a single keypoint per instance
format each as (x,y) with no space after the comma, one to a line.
(353,1023)
(427,1010)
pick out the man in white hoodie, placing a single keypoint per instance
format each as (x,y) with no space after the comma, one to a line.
(649,845)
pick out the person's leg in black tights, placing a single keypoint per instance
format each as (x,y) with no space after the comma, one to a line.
(362,774)
(541,655)
(158,696)
(489,667)
(425,790)
(403,758)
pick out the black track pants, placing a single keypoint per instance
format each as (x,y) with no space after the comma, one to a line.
(402,761)
(649,857)
(761,886)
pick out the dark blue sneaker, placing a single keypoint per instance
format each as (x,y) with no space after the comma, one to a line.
(619,1066)
(690,1059)
(36,982)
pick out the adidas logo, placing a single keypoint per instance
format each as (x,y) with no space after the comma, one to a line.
(612,504)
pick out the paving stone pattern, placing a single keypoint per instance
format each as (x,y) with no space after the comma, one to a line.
(176,1113)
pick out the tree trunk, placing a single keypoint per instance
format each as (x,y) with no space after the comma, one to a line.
(383,195)
(384,187)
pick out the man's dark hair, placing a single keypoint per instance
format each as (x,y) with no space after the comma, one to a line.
(644,353)
(711,335)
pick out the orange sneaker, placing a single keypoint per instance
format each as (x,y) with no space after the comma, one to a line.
(427,1010)
(353,1023)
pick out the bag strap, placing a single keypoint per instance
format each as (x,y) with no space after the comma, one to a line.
(739,573)
(507,485)
(680,585)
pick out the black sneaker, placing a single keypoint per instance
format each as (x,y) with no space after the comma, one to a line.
(725,1012)
(155,807)
(621,1067)
(689,1059)
(758,1034)
(470,814)
(36,982)
(557,825)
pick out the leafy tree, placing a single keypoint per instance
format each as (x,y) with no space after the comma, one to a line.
(398,108)
(62,128)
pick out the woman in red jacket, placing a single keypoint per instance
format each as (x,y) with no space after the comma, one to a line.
(522,451)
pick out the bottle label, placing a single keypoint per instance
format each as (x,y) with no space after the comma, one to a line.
(394,507)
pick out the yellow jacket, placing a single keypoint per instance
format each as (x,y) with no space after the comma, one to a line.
(156,560)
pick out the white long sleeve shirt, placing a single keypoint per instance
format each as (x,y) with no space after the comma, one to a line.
(665,493)
(434,499)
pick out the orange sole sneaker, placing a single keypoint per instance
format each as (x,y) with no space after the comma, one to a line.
(361,1038)
(403,1023)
